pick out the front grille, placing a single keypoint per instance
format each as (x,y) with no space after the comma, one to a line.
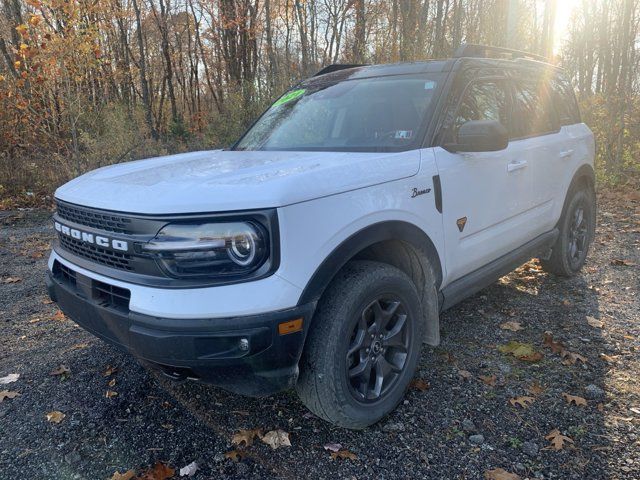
(111,296)
(98,219)
(96,254)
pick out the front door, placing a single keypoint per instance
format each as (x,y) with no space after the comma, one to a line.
(486,195)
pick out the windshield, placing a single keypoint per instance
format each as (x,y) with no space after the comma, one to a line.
(372,114)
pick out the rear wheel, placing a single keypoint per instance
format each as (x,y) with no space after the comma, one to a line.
(577,229)
(363,347)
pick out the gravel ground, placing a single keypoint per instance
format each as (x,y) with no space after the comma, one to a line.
(458,427)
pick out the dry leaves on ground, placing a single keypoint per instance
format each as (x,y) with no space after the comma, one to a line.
(522,351)
(568,358)
(110,371)
(536,389)
(490,380)
(276,439)
(512,326)
(235,455)
(618,262)
(420,384)
(189,470)
(344,454)
(523,401)
(246,437)
(59,316)
(128,475)
(500,474)
(465,374)
(12,377)
(61,370)
(55,416)
(578,401)
(557,440)
(110,394)
(159,471)
(594,322)
(8,394)
(11,280)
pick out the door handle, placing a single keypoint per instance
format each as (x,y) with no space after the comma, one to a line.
(513,166)
(566,154)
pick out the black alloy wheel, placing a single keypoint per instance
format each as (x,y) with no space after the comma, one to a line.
(378,349)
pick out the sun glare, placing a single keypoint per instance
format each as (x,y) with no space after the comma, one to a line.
(563,17)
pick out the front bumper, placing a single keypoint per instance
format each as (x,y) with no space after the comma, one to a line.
(246,354)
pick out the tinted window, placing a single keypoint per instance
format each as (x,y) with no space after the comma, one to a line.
(564,101)
(371,114)
(482,101)
(533,108)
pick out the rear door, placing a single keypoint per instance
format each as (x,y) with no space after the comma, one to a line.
(486,195)
(546,146)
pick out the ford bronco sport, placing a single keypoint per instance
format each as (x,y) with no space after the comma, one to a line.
(319,250)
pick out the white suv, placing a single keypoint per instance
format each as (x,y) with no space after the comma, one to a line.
(318,251)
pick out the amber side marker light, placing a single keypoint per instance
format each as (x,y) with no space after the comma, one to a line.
(291,326)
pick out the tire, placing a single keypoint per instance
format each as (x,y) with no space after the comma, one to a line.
(364,297)
(577,230)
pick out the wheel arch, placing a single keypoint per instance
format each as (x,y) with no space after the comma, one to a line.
(398,243)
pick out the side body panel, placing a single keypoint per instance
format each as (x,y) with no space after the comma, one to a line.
(311,231)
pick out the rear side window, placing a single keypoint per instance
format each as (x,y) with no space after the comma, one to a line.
(564,101)
(533,110)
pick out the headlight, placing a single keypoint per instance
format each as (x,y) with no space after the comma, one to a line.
(210,249)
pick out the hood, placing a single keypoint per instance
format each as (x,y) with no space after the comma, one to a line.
(218,181)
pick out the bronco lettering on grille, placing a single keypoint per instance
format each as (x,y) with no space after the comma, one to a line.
(91,238)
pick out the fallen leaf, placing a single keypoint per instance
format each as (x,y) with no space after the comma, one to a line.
(235,455)
(566,303)
(556,347)
(344,454)
(47,301)
(594,322)
(112,382)
(12,377)
(59,316)
(523,401)
(578,401)
(189,470)
(488,380)
(12,280)
(536,389)
(61,370)
(159,471)
(622,263)
(79,346)
(557,440)
(246,437)
(500,474)
(276,439)
(8,394)
(111,394)
(333,447)
(608,358)
(570,358)
(465,374)
(420,384)
(128,475)
(110,371)
(600,407)
(55,416)
(522,351)
(513,326)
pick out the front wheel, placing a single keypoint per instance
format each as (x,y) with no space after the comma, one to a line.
(363,347)
(577,230)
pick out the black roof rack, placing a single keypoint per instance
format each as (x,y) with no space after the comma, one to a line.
(485,51)
(337,66)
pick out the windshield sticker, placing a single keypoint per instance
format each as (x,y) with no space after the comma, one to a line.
(430,85)
(404,134)
(289,97)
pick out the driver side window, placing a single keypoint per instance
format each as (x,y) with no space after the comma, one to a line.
(483,100)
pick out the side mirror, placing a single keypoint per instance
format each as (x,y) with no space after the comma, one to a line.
(480,136)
